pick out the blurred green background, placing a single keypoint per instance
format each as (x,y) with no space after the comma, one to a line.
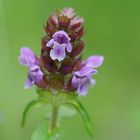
(112,29)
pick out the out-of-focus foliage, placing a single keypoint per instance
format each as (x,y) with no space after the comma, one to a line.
(112,30)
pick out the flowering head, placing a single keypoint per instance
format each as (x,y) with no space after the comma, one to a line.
(60,67)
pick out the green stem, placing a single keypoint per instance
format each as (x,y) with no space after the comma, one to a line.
(54,117)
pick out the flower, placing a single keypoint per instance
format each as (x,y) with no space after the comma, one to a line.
(27,58)
(83,77)
(34,76)
(59,43)
(58,52)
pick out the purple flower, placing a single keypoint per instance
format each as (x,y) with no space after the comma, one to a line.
(81,83)
(58,52)
(27,58)
(34,76)
(29,82)
(83,77)
(61,42)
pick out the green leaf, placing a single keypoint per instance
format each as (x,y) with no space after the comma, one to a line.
(86,118)
(42,133)
(29,108)
(84,115)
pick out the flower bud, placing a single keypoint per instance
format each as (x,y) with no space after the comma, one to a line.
(67,66)
(48,64)
(78,47)
(63,21)
(50,29)
(43,83)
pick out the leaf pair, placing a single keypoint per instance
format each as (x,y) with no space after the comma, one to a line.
(42,131)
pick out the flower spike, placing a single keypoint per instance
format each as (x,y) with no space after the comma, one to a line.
(61,55)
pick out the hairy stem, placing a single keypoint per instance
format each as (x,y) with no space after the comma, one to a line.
(54,117)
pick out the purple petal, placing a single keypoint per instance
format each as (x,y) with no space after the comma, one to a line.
(23,61)
(26,51)
(68,47)
(83,83)
(82,90)
(58,52)
(61,32)
(85,71)
(36,73)
(61,37)
(50,43)
(74,82)
(26,57)
(94,61)
(29,82)
(33,68)
(82,86)
(92,82)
